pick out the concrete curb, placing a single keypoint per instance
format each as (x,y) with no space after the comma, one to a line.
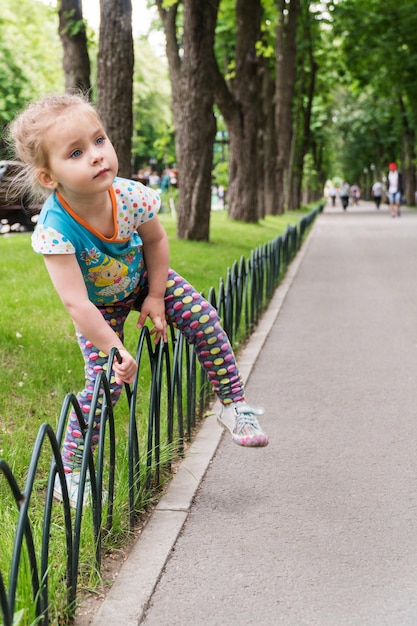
(129,596)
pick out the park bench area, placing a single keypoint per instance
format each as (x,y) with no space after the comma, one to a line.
(17,214)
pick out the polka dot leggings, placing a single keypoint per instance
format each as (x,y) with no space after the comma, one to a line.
(188,311)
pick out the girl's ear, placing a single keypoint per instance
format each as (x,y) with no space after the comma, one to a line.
(46,180)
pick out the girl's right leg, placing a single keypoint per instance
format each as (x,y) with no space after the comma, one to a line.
(95,362)
(73,446)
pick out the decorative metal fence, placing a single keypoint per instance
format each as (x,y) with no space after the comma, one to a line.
(178,392)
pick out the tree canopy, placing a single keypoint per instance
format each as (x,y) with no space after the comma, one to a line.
(30,54)
(295,92)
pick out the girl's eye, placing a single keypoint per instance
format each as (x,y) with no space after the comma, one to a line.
(75,154)
(99,140)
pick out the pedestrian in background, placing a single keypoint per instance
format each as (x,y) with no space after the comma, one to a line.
(332,194)
(395,190)
(344,194)
(377,192)
(355,193)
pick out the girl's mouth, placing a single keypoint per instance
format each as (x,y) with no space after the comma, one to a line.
(101,173)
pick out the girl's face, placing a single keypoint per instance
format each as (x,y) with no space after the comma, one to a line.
(81,157)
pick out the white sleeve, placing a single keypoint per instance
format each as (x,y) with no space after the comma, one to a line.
(46,240)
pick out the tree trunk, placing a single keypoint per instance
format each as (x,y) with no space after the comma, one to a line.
(286,67)
(239,103)
(76,62)
(115,78)
(302,144)
(243,169)
(269,153)
(191,77)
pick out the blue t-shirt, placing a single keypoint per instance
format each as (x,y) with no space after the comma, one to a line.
(111,267)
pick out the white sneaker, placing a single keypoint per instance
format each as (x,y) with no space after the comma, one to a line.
(73,486)
(240,420)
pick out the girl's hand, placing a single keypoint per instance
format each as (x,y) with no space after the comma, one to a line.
(154,308)
(125,371)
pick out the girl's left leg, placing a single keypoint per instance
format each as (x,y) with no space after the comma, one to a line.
(198,320)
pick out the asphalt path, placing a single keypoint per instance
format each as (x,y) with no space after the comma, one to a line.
(320,527)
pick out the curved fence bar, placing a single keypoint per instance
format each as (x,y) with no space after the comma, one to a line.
(144,349)
(178,393)
(154,418)
(3,603)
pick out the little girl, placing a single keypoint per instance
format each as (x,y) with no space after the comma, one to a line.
(107,253)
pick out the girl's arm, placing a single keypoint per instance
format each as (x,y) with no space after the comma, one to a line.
(67,279)
(156,254)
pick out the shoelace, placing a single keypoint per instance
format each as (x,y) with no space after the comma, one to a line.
(246,419)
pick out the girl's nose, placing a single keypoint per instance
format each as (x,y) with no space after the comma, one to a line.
(96,156)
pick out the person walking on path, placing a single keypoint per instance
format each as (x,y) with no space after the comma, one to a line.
(395,190)
(344,194)
(332,194)
(377,191)
(107,254)
(355,194)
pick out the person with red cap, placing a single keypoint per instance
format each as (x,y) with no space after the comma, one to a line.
(395,190)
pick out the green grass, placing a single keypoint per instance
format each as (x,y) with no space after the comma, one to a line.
(204,263)
(41,362)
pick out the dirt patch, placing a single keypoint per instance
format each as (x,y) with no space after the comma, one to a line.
(90,600)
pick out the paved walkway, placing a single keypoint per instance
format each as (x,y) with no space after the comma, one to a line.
(319,528)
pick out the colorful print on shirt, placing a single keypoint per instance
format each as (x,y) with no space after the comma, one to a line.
(111,267)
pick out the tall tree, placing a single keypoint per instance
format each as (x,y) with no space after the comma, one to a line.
(72,31)
(267,135)
(153,133)
(301,137)
(189,29)
(379,48)
(286,68)
(267,145)
(115,77)
(238,98)
(28,68)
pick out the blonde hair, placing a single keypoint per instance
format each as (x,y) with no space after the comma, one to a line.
(27,132)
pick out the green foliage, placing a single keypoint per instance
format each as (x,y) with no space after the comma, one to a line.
(153,139)
(30,69)
(226,37)
(73,26)
(29,28)
(30,55)
(377,55)
(13,86)
(221,173)
(167,4)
